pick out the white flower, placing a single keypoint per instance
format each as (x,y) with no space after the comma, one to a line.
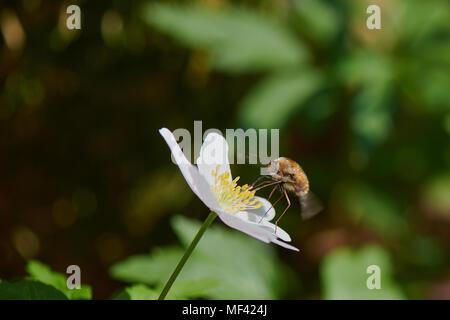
(211,181)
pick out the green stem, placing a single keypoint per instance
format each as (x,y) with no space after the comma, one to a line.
(198,236)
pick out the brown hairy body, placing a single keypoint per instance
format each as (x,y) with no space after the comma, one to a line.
(291,174)
(286,174)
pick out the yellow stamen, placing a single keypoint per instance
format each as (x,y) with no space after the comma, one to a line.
(232,197)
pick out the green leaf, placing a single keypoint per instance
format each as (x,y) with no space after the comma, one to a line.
(366,67)
(371,117)
(372,209)
(372,109)
(186,289)
(138,292)
(41,272)
(29,290)
(270,104)
(181,290)
(225,265)
(318,18)
(233,258)
(152,269)
(434,81)
(344,275)
(239,39)
(417,20)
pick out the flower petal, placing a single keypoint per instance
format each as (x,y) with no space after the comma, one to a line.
(283,235)
(261,232)
(267,212)
(285,245)
(235,222)
(248,217)
(194,179)
(213,153)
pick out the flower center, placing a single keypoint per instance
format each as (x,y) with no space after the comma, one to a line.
(231,197)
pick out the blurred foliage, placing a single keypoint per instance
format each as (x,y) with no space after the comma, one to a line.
(372,209)
(344,275)
(43,284)
(40,272)
(29,290)
(241,269)
(239,40)
(181,290)
(138,292)
(242,40)
(87,180)
(436,194)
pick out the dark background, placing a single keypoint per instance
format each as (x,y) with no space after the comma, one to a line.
(86,179)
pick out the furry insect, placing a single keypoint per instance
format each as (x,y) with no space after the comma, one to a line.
(286,174)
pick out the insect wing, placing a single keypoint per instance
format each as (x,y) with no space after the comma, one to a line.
(311,205)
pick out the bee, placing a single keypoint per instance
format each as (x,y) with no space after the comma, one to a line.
(286,174)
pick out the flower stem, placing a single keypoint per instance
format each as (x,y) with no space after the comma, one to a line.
(198,236)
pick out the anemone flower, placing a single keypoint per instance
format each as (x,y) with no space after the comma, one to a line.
(237,206)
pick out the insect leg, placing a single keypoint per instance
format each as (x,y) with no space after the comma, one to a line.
(260,185)
(267,185)
(258,179)
(271,193)
(281,196)
(289,204)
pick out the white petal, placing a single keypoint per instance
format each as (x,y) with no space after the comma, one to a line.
(263,231)
(267,212)
(248,217)
(286,245)
(213,153)
(235,222)
(260,232)
(194,179)
(283,235)
(199,182)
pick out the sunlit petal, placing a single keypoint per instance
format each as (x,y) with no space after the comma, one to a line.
(236,206)
(191,174)
(235,222)
(249,218)
(267,212)
(285,245)
(213,155)
(283,235)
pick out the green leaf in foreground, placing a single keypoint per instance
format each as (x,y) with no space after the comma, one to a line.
(276,98)
(225,265)
(29,290)
(41,272)
(186,289)
(181,290)
(138,292)
(151,269)
(344,274)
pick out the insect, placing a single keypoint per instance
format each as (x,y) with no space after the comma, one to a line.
(286,174)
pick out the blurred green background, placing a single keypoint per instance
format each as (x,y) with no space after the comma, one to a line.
(86,179)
